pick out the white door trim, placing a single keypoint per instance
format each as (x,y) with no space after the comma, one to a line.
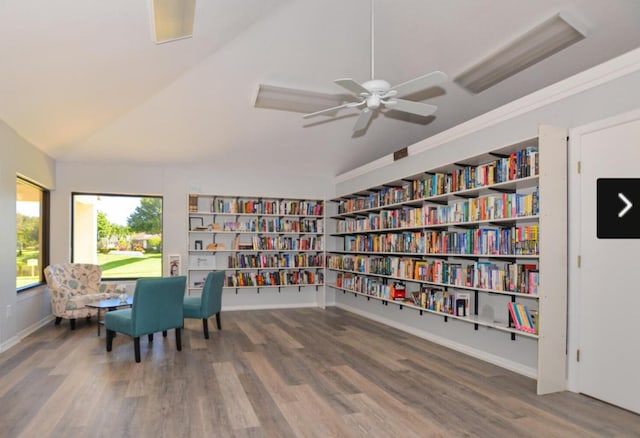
(574,232)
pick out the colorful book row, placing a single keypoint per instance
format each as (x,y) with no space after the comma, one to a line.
(280,243)
(517,240)
(506,277)
(254,279)
(430,298)
(275,225)
(492,207)
(522,318)
(284,207)
(276,261)
(520,164)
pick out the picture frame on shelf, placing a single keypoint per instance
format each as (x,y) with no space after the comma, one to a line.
(196,223)
(197,245)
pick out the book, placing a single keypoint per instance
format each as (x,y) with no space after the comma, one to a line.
(514,317)
(462,304)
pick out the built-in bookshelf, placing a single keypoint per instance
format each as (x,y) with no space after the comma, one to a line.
(467,242)
(259,242)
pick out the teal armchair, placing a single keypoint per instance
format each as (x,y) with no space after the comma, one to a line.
(157,307)
(208,304)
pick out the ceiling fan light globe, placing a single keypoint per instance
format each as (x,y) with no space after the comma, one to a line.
(373,101)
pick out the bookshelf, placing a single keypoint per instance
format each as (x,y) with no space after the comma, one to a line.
(259,242)
(466,242)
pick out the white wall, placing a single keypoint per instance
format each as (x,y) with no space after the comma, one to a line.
(174,184)
(606,90)
(18,313)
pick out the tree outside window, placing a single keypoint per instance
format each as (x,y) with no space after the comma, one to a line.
(31,233)
(121,233)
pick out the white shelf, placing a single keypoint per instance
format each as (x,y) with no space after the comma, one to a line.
(518,184)
(500,221)
(473,319)
(448,285)
(214,233)
(442,255)
(550,259)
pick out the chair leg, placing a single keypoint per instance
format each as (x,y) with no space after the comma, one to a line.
(110,334)
(58,319)
(72,323)
(136,348)
(164,333)
(218,321)
(205,327)
(150,336)
(178,339)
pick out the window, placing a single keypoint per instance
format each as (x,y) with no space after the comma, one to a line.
(32,234)
(121,233)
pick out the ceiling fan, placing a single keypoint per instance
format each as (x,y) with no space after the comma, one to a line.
(377,94)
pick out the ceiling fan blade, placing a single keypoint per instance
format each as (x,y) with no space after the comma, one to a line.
(363,120)
(420,83)
(352,86)
(328,110)
(407,106)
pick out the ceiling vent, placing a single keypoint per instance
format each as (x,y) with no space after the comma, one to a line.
(539,43)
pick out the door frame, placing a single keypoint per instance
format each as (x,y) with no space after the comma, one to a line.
(574,232)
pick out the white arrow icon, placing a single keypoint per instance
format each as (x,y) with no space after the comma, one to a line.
(627,207)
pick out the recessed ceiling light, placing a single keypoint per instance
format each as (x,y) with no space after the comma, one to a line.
(173,19)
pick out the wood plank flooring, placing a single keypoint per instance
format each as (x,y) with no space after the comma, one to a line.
(279,373)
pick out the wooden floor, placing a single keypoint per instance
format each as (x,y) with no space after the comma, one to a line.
(280,373)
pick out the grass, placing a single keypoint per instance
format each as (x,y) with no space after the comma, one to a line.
(119,266)
(114,266)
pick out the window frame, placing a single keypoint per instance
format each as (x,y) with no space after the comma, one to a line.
(122,195)
(44,235)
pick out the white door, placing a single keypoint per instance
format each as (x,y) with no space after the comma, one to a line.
(608,297)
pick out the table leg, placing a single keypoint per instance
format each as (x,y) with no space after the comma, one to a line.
(99,321)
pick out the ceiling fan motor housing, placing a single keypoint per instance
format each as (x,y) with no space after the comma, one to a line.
(377,86)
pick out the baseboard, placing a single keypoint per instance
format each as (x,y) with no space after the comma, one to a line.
(14,340)
(473,352)
(269,307)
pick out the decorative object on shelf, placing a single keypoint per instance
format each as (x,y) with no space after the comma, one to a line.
(196,223)
(193,203)
(198,245)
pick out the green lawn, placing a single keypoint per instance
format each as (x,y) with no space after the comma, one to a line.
(113,266)
(119,266)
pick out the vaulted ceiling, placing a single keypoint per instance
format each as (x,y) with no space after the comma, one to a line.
(83,80)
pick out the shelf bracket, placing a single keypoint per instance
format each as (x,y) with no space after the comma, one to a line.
(420,312)
(475,327)
(446,318)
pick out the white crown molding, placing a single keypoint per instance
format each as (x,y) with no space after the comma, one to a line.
(364,169)
(608,71)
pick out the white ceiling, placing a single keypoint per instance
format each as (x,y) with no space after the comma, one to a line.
(83,80)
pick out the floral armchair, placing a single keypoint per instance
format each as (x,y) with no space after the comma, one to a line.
(72,286)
